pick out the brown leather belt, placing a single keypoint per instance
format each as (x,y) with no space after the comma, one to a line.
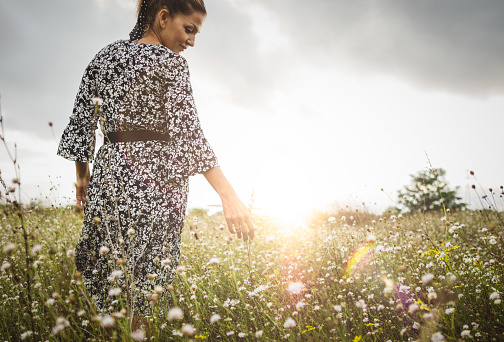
(134,135)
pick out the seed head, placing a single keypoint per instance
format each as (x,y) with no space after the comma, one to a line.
(97,101)
(214,318)
(289,323)
(9,248)
(187,330)
(107,321)
(175,314)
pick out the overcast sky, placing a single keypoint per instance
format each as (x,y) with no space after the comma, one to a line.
(304,102)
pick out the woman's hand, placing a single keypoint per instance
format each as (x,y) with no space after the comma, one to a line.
(83,177)
(236,213)
(237,217)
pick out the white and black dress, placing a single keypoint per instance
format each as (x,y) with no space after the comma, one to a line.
(136,199)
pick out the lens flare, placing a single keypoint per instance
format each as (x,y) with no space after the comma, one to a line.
(360,258)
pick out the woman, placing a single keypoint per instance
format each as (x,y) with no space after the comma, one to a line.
(135,201)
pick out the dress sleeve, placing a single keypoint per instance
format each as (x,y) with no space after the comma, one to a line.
(193,151)
(78,140)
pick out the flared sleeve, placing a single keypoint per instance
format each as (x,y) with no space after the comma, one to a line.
(193,153)
(78,140)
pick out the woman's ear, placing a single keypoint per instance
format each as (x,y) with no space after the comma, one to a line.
(163,17)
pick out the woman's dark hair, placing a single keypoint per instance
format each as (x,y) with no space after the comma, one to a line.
(174,7)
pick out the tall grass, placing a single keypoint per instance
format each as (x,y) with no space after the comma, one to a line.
(290,286)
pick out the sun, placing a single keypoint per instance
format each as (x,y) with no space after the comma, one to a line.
(290,206)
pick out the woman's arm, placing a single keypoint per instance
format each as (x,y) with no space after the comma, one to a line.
(236,213)
(83,176)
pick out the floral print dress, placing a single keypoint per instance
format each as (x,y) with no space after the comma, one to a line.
(137,196)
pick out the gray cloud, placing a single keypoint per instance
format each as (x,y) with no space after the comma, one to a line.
(452,45)
(227,52)
(45,48)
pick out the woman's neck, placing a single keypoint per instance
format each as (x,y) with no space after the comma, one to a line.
(149,38)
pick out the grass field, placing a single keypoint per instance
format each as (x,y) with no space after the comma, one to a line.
(417,277)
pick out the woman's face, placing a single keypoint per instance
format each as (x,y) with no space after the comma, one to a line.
(179,32)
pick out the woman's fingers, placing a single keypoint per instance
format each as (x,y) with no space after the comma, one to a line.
(244,227)
(238,219)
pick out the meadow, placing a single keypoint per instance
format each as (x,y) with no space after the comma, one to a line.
(345,276)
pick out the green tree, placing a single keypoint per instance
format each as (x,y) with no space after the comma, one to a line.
(428,191)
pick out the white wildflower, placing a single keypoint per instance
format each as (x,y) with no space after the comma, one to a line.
(413,308)
(300,305)
(26,334)
(214,318)
(104,250)
(116,274)
(449,311)
(107,321)
(371,238)
(9,248)
(187,329)
(494,295)
(96,101)
(114,292)
(177,333)
(61,324)
(289,323)
(259,333)
(35,249)
(427,278)
(295,288)
(175,314)
(138,335)
(214,261)
(466,333)
(5,266)
(361,304)
(437,337)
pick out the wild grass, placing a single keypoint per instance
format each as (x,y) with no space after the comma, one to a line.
(284,286)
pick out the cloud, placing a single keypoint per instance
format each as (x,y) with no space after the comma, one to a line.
(253,49)
(44,58)
(232,50)
(455,46)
